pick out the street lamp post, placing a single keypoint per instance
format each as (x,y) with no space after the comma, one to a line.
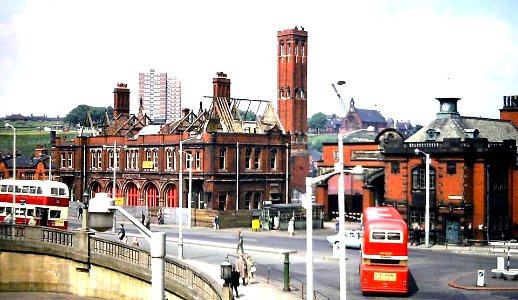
(101,206)
(339,167)
(180,192)
(427,197)
(114,188)
(189,195)
(308,202)
(14,169)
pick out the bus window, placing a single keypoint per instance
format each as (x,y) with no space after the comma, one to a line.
(30,212)
(378,235)
(4,188)
(25,189)
(393,236)
(10,188)
(2,210)
(62,191)
(40,191)
(8,210)
(53,191)
(20,211)
(18,189)
(32,190)
(55,214)
(38,212)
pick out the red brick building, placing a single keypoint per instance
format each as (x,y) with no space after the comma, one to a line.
(27,167)
(235,164)
(473,173)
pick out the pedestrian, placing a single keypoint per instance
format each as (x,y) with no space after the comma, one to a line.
(135,243)
(250,267)
(32,221)
(216,223)
(291,227)
(148,221)
(80,212)
(234,280)
(122,232)
(8,219)
(143,217)
(241,267)
(240,242)
(416,232)
(159,216)
(337,225)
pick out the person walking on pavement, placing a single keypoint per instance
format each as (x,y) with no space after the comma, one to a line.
(241,267)
(416,235)
(240,242)
(122,233)
(234,280)
(143,217)
(250,267)
(80,212)
(159,216)
(148,221)
(216,223)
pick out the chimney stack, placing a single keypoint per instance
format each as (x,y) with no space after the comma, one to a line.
(121,100)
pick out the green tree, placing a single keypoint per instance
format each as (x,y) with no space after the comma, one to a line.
(78,114)
(317,121)
(250,115)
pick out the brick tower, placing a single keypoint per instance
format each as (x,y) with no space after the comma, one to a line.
(292,50)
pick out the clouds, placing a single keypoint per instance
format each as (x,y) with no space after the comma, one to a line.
(396,56)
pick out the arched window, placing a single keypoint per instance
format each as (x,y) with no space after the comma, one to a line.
(151,195)
(222,158)
(171,200)
(132,195)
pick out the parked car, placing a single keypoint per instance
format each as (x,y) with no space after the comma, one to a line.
(353,239)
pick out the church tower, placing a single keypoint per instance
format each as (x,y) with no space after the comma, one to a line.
(292,53)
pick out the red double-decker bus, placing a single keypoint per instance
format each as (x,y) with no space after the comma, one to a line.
(384,252)
(46,201)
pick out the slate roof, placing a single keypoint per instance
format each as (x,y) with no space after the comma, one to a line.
(494,130)
(26,162)
(370,115)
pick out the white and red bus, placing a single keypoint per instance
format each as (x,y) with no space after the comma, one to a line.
(384,251)
(46,200)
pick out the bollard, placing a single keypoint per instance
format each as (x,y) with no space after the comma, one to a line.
(480,278)
(286,272)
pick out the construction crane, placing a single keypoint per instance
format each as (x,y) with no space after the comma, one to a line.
(340,97)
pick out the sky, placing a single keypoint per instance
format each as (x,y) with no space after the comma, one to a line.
(395,56)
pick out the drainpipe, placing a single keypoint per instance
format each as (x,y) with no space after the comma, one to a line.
(287,174)
(237,176)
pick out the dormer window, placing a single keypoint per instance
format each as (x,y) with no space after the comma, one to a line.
(432,134)
(471,133)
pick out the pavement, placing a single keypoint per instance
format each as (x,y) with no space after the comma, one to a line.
(260,289)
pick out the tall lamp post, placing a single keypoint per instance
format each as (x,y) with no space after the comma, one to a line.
(114,188)
(189,194)
(100,209)
(180,192)
(339,167)
(427,197)
(14,169)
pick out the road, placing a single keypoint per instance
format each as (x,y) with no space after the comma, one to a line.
(430,270)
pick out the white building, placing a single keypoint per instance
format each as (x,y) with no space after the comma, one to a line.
(161,96)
